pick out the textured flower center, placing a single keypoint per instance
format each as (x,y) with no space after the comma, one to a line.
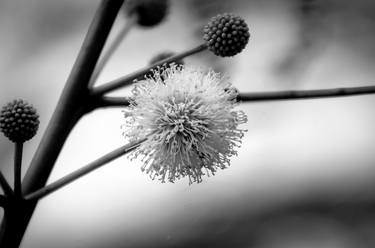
(181,124)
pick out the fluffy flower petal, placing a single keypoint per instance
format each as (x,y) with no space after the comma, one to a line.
(188,117)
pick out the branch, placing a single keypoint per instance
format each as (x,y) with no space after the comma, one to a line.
(5,185)
(74,96)
(17,168)
(128,79)
(3,201)
(106,101)
(70,108)
(112,48)
(305,94)
(83,171)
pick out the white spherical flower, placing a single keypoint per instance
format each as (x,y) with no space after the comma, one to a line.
(187,115)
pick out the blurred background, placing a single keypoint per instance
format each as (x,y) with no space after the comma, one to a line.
(304,176)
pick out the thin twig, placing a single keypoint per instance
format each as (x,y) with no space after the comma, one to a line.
(5,185)
(107,54)
(106,101)
(17,168)
(305,94)
(83,171)
(128,79)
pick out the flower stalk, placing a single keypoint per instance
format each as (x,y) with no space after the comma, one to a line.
(83,171)
(17,169)
(111,101)
(107,101)
(305,94)
(128,79)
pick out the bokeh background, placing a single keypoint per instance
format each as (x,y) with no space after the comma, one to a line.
(304,176)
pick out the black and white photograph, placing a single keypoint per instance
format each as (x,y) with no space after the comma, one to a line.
(187,124)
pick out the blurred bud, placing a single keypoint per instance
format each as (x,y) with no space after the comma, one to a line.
(148,12)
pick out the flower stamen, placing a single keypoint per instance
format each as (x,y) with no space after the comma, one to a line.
(187,115)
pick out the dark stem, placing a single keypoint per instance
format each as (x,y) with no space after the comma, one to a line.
(5,186)
(106,101)
(107,54)
(73,99)
(128,79)
(305,94)
(83,171)
(17,169)
(3,201)
(68,111)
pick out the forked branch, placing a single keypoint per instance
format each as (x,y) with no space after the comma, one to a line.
(5,185)
(108,53)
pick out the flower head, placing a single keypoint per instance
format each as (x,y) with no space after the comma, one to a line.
(19,121)
(226,34)
(188,118)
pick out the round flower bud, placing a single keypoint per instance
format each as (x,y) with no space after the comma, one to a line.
(149,12)
(19,121)
(226,35)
